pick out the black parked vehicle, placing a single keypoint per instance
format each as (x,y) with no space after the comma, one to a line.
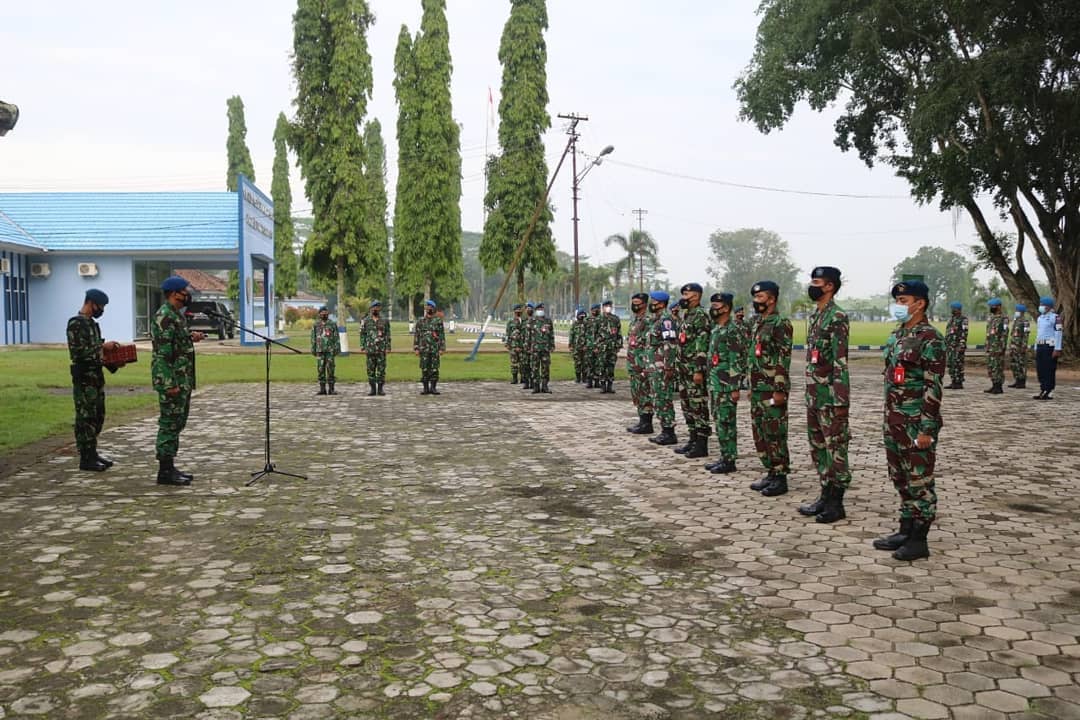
(211,317)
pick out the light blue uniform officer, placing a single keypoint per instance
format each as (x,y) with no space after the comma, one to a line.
(1048,339)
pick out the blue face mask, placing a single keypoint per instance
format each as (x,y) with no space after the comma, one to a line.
(1043,309)
(899,312)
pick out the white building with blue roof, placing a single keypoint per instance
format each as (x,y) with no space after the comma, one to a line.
(55,246)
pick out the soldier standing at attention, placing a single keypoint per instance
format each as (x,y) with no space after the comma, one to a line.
(828,393)
(914,365)
(525,346)
(769,363)
(1048,338)
(693,365)
(512,341)
(664,356)
(956,337)
(727,363)
(325,346)
(997,340)
(429,343)
(592,347)
(1019,338)
(638,363)
(543,343)
(375,343)
(173,373)
(88,379)
(576,343)
(609,341)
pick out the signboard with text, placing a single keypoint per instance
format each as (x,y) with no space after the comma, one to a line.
(256,262)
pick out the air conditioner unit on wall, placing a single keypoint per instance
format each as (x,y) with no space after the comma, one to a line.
(5,266)
(39,270)
(88,270)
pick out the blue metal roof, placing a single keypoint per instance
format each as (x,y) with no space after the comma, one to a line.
(180,221)
(12,234)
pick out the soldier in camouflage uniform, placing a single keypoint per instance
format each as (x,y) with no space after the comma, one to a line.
(997,341)
(375,343)
(746,324)
(577,345)
(914,365)
(609,342)
(525,345)
(543,344)
(88,378)
(638,362)
(173,374)
(694,333)
(429,343)
(592,347)
(1019,344)
(769,363)
(325,346)
(727,364)
(512,341)
(664,356)
(956,337)
(828,394)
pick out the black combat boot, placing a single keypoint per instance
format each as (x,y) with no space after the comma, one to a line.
(607,387)
(994,389)
(915,546)
(683,449)
(88,461)
(372,392)
(435,388)
(427,388)
(322,389)
(892,542)
(166,474)
(666,437)
(813,508)
(761,484)
(588,384)
(646,425)
(1020,384)
(103,460)
(700,448)
(778,486)
(527,384)
(536,387)
(577,377)
(330,388)
(544,387)
(723,467)
(634,428)
(379,389)
(959,386)
(834,506)
(513,378)
(185,476)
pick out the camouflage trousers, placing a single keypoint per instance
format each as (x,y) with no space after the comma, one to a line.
(694,399)
(912,473)
(1018,363)
(429,366)
(540,365)
(376,367)
(606,363)
(995,366)
(325,362)
(724,415)
(640,388)
(770,425)
(172,418)
(954,360)
(89,414)
(827,430)
(663,397)
(515,361)
(580,363)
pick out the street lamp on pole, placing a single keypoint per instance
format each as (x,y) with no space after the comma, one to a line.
(578,177)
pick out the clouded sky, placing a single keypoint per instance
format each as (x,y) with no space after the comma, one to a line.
(124,95)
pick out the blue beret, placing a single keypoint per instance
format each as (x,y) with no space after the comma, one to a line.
(994,302)
(430,303)
(375,303)
(825,272)
(607,302)
(1047,301)
(529,305)
(765,286)
(914,288)
(596,306)
(955,305)
(97,297)
(1021,307)
(659,296)
(692,287)
(174,283)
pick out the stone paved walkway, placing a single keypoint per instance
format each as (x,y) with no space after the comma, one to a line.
(493,554)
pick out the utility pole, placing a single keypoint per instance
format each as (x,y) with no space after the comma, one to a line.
(574,119)
(641,213)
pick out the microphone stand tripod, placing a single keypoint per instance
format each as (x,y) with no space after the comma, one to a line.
(268,467)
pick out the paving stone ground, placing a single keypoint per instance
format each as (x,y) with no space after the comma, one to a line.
(492,554)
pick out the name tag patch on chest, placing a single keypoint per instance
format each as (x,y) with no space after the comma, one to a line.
(814,356)
(757,350)
(898,375)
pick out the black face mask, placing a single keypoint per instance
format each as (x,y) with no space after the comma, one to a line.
(760,307)
(653,307)
(815,293)
(375,311)
(684,303)
(636,308)
(429,311)
(98,312)
(716,313)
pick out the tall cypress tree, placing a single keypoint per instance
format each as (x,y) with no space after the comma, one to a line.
(518,176)
(408,241)
(375,232)
(332,67)
(236,145)
(285,263)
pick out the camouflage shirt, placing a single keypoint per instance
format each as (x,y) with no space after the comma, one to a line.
(173,364)
(609,332)
(827,382)
(577,335)
(84,346)
(997,334)
(727,357)
(769,357)
(637,342)
(694,341)
(1020,336)
(914,364)
(664,341)
(375,334)
(325,339)
(956,332)
(543,335)
(515,328)
(429,335)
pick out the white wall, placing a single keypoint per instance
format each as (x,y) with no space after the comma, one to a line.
(53,300)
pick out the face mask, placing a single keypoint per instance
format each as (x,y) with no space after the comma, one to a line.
(996,310)
(760,307)
(606,309)
(98,312)
(1043,309)
(815,293)
(899,312)
(375,311)
(636,308)
(1018,313)
(653,307)
(684,303)
(324,318)
(430,311)
(539,313)
(716,313)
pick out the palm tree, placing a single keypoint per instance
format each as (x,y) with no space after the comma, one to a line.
(639,247)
